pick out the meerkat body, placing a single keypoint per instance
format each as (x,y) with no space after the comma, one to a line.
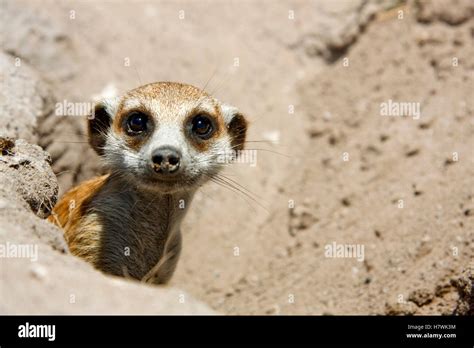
(160,142)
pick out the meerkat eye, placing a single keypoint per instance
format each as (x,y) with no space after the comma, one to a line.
(136,123)
(202,126)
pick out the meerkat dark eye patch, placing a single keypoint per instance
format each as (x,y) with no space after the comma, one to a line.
(236,125)
(202,126)
(98,125)
(237,129)
(136,123)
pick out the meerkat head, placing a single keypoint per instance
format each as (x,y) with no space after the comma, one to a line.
(166,136)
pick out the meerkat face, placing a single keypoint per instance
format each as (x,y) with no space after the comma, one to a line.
(166,136)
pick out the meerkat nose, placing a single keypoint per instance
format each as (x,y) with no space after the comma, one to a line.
(166,160)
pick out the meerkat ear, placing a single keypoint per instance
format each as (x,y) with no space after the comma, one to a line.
(236,126)
(99,124)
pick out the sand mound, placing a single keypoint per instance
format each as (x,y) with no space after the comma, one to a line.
(337,163)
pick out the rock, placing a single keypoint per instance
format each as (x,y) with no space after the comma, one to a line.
(38,271)
(407,308)
(453,12)
(25,168)
(24,99)
(465,286)
(63,284)
(421,297)
(71,286)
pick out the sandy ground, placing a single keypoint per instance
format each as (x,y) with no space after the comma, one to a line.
(311,77)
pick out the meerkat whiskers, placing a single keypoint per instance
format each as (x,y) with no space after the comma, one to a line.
(159,143)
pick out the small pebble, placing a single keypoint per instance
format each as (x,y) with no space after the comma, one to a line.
(38,271)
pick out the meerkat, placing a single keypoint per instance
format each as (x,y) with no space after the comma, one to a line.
(159,143)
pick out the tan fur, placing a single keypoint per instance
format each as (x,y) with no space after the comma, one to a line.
(171,96)
(127,223)
(81,231)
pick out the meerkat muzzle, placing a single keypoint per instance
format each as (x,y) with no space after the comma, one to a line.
(166,160)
